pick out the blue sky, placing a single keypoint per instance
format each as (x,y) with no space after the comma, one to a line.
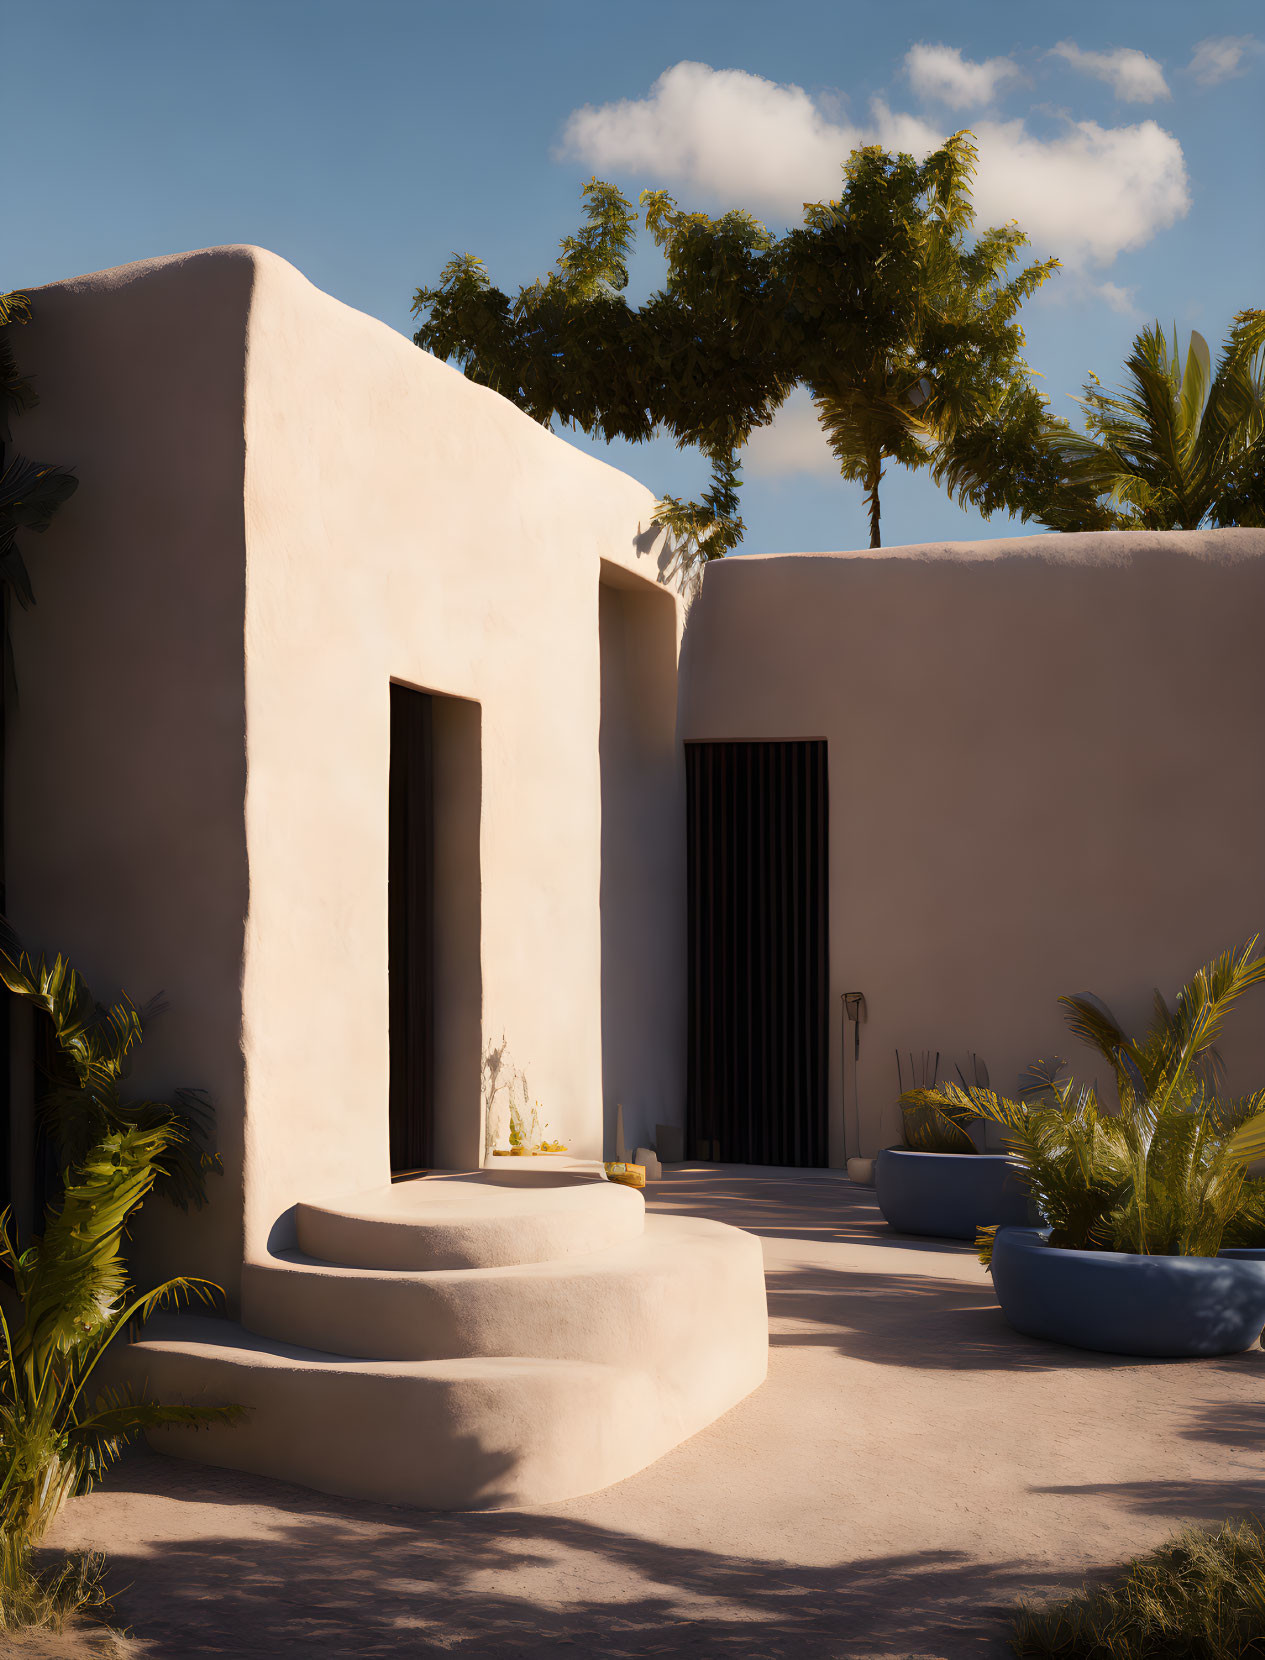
(365,141)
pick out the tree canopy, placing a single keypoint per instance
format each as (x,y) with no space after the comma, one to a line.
(696,360)
(903,330)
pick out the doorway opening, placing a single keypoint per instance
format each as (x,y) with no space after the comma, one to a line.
(757,824)
(433,931)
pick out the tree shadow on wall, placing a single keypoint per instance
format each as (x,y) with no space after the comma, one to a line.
(340,1578)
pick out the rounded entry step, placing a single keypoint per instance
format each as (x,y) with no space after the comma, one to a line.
(482,1219)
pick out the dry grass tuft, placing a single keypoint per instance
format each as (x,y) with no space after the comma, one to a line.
(32,1599)
(1199,1597)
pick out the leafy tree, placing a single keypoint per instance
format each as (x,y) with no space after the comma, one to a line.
(1017,459)
(903,331)
(905,335)
(717,336)
(1178,446)
(696,360)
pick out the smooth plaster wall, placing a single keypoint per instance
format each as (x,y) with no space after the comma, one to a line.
(125,759)
(643,852)
(1047,775)
(284,505)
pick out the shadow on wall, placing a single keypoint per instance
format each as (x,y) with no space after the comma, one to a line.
(643,859)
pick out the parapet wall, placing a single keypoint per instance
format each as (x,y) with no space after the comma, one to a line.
(1047,775)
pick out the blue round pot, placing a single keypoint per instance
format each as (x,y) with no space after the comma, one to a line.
(1170,1308)
(948,1195)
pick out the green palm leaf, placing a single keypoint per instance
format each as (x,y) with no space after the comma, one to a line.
(1168,1173)
(72,1281)
(58,1429)
(1179,445)
(81,1101)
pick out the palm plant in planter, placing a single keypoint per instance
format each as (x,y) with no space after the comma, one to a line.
(1154,1236)
(942,1182)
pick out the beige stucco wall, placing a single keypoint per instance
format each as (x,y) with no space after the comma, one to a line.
(283,506)
(1047,774)
(125,756)
(643,851)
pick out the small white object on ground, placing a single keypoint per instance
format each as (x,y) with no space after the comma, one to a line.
(646,1156)
(861,1171)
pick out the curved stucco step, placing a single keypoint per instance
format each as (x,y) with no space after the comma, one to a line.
(480,1433)
(677,1286)
(483,1219)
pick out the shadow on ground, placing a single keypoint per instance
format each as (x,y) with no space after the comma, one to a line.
(825,1209)
(339,1578)
(908,1320)
(905,1319)
(244,1567)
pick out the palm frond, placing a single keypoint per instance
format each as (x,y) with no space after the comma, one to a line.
(94,1442)
(934,1122)
(1246,1144)
(58,1430)
(73,1280)
(1168,1174)
(96,1044)
(1172,448)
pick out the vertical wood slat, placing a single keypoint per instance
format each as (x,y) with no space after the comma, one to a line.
(757,894)
(411,929)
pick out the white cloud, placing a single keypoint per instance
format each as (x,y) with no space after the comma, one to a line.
(792,443)
(1087,193)
(1220,57)
(1117,297)
(942,73)
(1132,76)
(731,134)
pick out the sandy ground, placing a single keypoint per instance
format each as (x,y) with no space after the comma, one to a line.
(911,1468)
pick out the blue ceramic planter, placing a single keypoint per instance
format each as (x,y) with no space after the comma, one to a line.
(948,1195)
(1166,1307)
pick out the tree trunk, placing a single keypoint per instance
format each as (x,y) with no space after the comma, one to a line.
(873,476)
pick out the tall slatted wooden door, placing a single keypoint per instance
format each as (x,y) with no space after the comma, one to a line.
(757,824)
(411,929)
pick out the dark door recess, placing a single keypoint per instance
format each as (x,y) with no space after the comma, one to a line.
(411,929)
(757,817)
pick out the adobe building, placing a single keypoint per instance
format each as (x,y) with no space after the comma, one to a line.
(361,715)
